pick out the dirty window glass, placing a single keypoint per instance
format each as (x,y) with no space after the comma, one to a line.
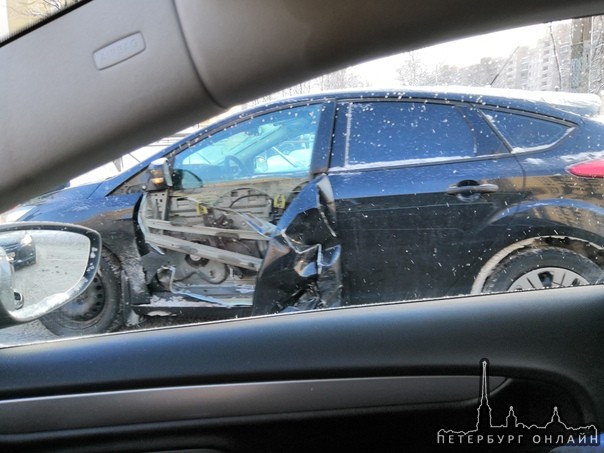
(407,132)
(247,229)
(526,132)
(280,142)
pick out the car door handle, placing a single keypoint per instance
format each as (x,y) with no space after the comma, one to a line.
(472,189)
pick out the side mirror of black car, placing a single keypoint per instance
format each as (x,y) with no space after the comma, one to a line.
(43,266)
(160,175)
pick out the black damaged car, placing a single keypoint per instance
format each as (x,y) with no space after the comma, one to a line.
(413,194)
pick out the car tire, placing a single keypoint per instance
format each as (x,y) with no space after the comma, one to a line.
(99,309)
(548,267)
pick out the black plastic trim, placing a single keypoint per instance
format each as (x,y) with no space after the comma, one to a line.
(550,336)
(231,400)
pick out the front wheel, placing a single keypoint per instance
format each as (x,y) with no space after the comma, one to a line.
(99,309)
(548,267)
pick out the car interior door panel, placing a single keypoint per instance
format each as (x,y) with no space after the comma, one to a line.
(351,365)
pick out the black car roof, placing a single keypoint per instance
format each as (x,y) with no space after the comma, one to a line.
(554,104)
(565,106)
(557,104)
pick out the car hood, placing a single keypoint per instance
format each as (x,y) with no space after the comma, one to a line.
(69,193)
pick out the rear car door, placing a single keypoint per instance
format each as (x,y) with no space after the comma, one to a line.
(424,193)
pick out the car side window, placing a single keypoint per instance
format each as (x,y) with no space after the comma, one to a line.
(276,143)
(526,133)
(406,133)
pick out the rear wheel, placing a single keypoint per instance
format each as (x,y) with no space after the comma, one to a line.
(99,309)
(549,267)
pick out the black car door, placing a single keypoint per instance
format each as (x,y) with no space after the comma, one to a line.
(424,192)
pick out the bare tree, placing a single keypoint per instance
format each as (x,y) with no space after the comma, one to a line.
(556,55)
(299,89)
(580,54)
(411,72)
(596,60)
(341,79)
(414,72)
(42,8)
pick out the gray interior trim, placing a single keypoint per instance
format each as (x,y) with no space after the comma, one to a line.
(119,51)
(268,44)
(230,400)
(77,115)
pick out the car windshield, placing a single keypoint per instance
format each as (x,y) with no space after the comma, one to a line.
(470,167)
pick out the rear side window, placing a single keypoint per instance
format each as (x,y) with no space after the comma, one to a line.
(525,133)
(407,132)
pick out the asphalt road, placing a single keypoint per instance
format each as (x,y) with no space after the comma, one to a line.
(31,332)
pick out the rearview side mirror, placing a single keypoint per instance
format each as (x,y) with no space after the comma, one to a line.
(160,174)
(44,266)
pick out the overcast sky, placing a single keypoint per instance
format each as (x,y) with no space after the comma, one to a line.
(463,52)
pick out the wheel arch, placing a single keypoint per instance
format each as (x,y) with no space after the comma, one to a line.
(99,309)
(583,247)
